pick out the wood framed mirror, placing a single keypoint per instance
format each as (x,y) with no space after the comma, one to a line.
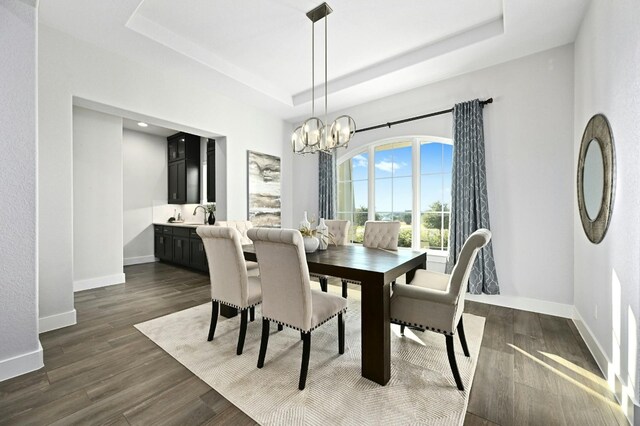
(596,178)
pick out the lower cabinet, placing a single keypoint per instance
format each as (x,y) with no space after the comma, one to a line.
(181,246)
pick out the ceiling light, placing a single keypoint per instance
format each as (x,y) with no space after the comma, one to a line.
(314,135)
(142,124)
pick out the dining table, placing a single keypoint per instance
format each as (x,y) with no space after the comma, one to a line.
(375,270)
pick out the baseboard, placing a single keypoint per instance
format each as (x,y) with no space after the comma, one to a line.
(98,282)
(629,405)
(589,339)
(54,322)
(524,304)
(21,364)
(138,260)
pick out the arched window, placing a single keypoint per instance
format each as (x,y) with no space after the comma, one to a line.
(405,179)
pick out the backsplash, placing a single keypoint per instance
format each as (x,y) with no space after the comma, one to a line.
(163,211)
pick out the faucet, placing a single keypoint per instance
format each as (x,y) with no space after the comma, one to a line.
(205,212)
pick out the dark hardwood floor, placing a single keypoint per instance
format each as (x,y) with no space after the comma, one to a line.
(532,370)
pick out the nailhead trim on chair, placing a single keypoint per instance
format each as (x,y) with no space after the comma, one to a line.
(306,331)
(235,306)
(411,324)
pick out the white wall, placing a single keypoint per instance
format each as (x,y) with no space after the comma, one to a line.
(174,92)
(607,275)
(529,153)
(20,349)
(144,159)
(97,199)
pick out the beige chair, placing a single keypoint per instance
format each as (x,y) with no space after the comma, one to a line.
(377,234)
(286,292)
(339,230)
(230,283)
(381,234)
(435,301)
(242,226)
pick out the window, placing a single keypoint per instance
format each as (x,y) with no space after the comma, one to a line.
(393,187)
(435,194)
(353,203)
(408,180)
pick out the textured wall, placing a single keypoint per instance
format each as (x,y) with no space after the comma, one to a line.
(607,275)
(18,190)
(142,186)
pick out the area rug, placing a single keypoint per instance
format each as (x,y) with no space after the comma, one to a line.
(421,389)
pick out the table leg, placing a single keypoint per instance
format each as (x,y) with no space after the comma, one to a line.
(376,332)
(412,272)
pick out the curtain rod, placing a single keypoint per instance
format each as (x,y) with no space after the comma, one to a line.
(419,117)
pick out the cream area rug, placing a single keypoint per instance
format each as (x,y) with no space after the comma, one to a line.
(421,389)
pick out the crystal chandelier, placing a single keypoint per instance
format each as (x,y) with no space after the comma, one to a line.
(314,135)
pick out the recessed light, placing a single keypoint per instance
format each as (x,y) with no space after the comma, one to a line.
(142,124)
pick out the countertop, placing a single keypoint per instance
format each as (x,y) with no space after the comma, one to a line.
(192,225)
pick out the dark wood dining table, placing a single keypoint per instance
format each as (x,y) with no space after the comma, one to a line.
(375,269)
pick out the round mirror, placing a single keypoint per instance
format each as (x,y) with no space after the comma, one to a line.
(593,179)
(596,178)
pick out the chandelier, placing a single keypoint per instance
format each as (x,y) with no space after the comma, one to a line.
(314,135)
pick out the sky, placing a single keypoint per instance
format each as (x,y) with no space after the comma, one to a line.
(393,177)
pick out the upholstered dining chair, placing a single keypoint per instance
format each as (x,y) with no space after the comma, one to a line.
(435,301)
(377,234)
(230,283)
(339,230)
(287,297)
(242,226)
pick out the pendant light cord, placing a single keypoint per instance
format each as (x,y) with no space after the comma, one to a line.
(313,69)
(326,135)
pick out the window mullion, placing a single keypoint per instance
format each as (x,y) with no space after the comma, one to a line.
(415,186)
(371,184)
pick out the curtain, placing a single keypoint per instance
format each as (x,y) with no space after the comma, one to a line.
(469,202)
(327,186)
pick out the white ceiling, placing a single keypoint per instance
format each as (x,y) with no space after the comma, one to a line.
(260,50)
(151,129)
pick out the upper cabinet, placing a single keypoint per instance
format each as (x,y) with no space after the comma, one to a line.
(211,170)
(184,169)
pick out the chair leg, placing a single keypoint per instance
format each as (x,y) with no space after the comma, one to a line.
(344,289)
(306,351)
(214,319)
(452,362)
(463,339)
(402,326)
(324,282)
(264,342)
(243,331)
(340,334)
(252,314)
(280,327)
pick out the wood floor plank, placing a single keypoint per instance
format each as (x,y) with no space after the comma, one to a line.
(536,407)
(492,391)
(165,405)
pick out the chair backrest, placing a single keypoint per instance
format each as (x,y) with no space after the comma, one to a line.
(340,231)
(466,258)
(241,225)
(227,268)
(381,234)
(284,275)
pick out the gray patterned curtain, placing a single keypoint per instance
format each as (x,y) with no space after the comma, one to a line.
(327,185)
(469,203)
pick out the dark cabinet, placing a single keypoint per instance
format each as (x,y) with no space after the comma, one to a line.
(163,244)
(211,170)
(184,169)
(180,245)
(198,258)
